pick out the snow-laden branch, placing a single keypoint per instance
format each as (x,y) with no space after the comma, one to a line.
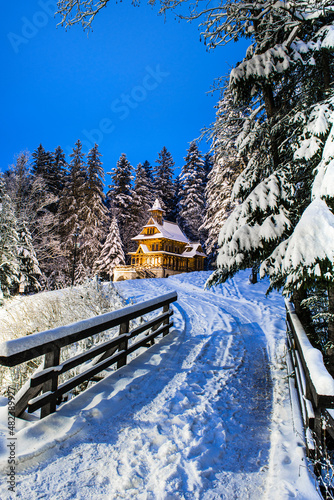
(243,233)
(308,253)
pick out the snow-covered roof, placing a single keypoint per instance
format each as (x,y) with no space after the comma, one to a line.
(168,230)
(193,249)
(156,206)
(144,248)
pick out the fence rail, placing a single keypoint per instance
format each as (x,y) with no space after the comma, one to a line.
(314,385)
(114,351)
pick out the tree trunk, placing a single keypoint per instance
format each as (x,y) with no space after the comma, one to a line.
(271,110)
(253,276)
(325,70)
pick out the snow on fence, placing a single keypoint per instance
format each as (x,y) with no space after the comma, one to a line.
(315,386)
(49,343)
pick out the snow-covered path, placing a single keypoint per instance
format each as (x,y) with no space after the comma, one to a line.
(199,416)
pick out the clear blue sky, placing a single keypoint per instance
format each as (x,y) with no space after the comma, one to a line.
(133,85)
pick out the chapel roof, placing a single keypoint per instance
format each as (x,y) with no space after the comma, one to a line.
(170,231)
(167,229)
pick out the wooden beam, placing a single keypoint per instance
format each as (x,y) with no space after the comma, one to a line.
(62,338)
(46,398)
(46,374)
(123,346)
(50,397)
(22,403)
(51,360)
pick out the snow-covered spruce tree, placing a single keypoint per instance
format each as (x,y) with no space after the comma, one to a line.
(299,114)
(144,195)
(43,164)
(227,165)
(192,198)
(9,266)
(175,210)
(70,209)
(272,75)
(112,254)
(219,204)
(18,184)
(50,250)
(120,199)
(164,188)
(304,261)
(208,166)
(30,273)
(57,172)
(149,172)
(93,214)
(31,201)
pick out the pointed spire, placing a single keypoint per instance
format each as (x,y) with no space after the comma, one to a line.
(156,206)
(157,211)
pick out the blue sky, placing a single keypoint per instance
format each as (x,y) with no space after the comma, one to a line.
(133,85)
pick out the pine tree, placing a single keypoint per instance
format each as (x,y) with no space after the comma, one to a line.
(175,210)
(58,171)
(18,184)
(70,210)
(93,214)
(163,181)
(9,266)
(192,199)
(219,204)
(227,165)
(149,173)
(112,254)
(32,202)
(208,166)
(120,196)
(287,140)
(144,194)
(30,273)
(280,83)
(43,164)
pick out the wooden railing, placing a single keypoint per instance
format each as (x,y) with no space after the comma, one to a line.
(114,351)
(314,385)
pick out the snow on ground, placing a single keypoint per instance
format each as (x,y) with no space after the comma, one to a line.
(204,414)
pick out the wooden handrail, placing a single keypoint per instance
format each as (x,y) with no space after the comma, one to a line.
(313,403)
(321,400)
(49,343)
(17,351)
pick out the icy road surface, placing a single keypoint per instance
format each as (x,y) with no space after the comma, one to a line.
(204,414)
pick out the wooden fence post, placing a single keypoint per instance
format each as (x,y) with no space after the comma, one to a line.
(165,309)
(51,359)
(123,328)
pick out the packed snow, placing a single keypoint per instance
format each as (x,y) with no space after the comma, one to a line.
(203,414)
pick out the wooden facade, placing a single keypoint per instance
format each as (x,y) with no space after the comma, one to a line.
(162,250)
